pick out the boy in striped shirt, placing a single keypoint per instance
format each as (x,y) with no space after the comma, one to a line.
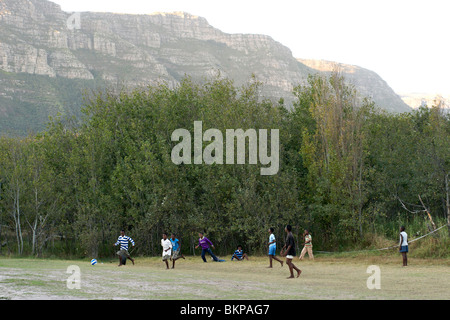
(123,251)
(239,254)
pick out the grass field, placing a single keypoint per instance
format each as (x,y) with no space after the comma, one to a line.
(324,278)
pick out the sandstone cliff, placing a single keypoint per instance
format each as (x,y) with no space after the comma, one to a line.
(37,39)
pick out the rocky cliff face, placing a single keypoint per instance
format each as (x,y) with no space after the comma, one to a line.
(417,100)
(368,83)
(150,47)
(37,38)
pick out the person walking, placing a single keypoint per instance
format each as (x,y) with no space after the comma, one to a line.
(272,248)
(307,247)
(288,251)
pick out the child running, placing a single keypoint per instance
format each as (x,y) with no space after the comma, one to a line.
(273,248)
(205,244)
(123,251)
(176,250)
(167,248)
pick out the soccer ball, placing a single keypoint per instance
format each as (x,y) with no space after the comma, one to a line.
(93,261)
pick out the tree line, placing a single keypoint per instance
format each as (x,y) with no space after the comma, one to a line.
(347,170)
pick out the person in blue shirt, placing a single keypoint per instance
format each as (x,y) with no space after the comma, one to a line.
(239,254)
(176,250)
(272,248)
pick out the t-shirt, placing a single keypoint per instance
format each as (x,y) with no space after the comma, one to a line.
(405,238)
(166,244)
(272,238)
(308,238)
(239,254)
(204,243)
(290,242)
(175,244)
(123,241)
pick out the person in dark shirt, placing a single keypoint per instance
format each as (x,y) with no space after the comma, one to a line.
(288,251)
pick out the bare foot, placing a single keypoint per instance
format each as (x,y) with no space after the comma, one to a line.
(269,267)
(282,263)
(291,277)
(298,273)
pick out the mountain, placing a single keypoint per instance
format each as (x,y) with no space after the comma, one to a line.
(49,57)
(416,100)
(368,83)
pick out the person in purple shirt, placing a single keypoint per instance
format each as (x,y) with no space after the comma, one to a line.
(205,244)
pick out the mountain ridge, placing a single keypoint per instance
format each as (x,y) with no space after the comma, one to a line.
(115,49)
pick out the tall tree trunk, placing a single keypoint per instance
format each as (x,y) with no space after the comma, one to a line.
(33,230)
(16,215)
(447,189)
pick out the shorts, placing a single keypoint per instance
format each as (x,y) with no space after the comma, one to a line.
(404,249)
(166,257)
(272,251)
(289,257)
(175,254)
(123,252)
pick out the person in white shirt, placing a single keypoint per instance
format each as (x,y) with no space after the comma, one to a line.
(166,244)
(403,245)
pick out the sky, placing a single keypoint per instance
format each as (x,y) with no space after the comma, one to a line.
(405,42)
